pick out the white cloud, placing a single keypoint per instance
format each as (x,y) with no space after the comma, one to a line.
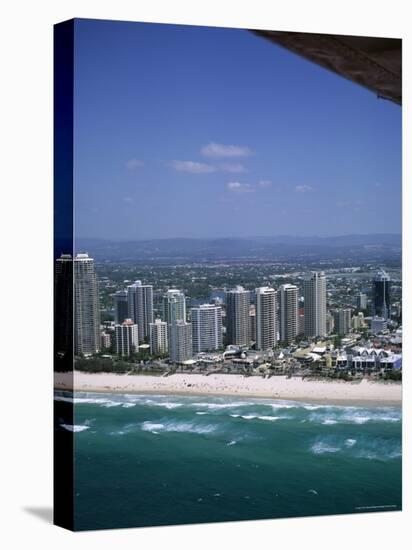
(303,188)
(233,168)
(238,187)
(265,183)
(192,167)
(129,200)
(132,164)
(218,150)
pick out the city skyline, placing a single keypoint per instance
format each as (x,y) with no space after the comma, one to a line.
(221,125)
(263,317)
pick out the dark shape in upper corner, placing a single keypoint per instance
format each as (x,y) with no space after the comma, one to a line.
(375,63)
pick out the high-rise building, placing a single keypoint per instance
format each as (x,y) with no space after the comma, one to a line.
(174,306)
(140,300)
(206,322)
(314,292)
(121,306)
(381,305)
(252,323)
(342,320)
(362,301)
(180,341)
(237,316)
(288,312)
(127,338)
(63,306)
(159,343)
(266,330)
(86,306)
(301,321)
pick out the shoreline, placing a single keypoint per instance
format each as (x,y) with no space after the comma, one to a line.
(219,385)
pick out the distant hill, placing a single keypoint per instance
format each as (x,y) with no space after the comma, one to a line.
(258,248)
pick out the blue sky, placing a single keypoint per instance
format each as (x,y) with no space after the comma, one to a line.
(204,132)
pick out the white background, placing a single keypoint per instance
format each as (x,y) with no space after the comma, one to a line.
(26,272)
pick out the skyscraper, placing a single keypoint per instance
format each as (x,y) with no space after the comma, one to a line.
(174,306)
(63,306)
(206,327)
(140,301)
(252,323)
(159,343)
(180,341)
(237,316)
(381,305)
(288,314)
(301,320)
(127,338)
(86,306)
(266,330)
(314,292)
(121,306)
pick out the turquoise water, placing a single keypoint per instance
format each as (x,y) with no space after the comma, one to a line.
(145,460)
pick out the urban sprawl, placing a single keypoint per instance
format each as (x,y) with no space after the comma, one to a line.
(305,328)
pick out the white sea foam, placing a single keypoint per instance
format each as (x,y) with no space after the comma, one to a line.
(150,426)
(128,405)
(182,427)
(351,415)
(358,419)
(376,455)
(379,449)
(390,419)
(167,405)
(217,406)
(283,406)
(85,400)
(321,447)
(75,427)
(257,416)
(233,442)
(350,442)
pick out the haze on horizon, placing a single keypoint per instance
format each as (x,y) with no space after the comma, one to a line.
(196,132)
(277,238)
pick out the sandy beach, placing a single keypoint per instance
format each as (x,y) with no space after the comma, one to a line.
(279,387)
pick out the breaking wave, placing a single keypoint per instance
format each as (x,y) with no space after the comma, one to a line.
(364,447)
(75,427)
(321,447)
(181,427)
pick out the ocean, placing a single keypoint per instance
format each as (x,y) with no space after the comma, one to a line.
(146,460)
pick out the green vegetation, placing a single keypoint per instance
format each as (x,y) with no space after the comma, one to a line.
(101,364)
(394,375)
